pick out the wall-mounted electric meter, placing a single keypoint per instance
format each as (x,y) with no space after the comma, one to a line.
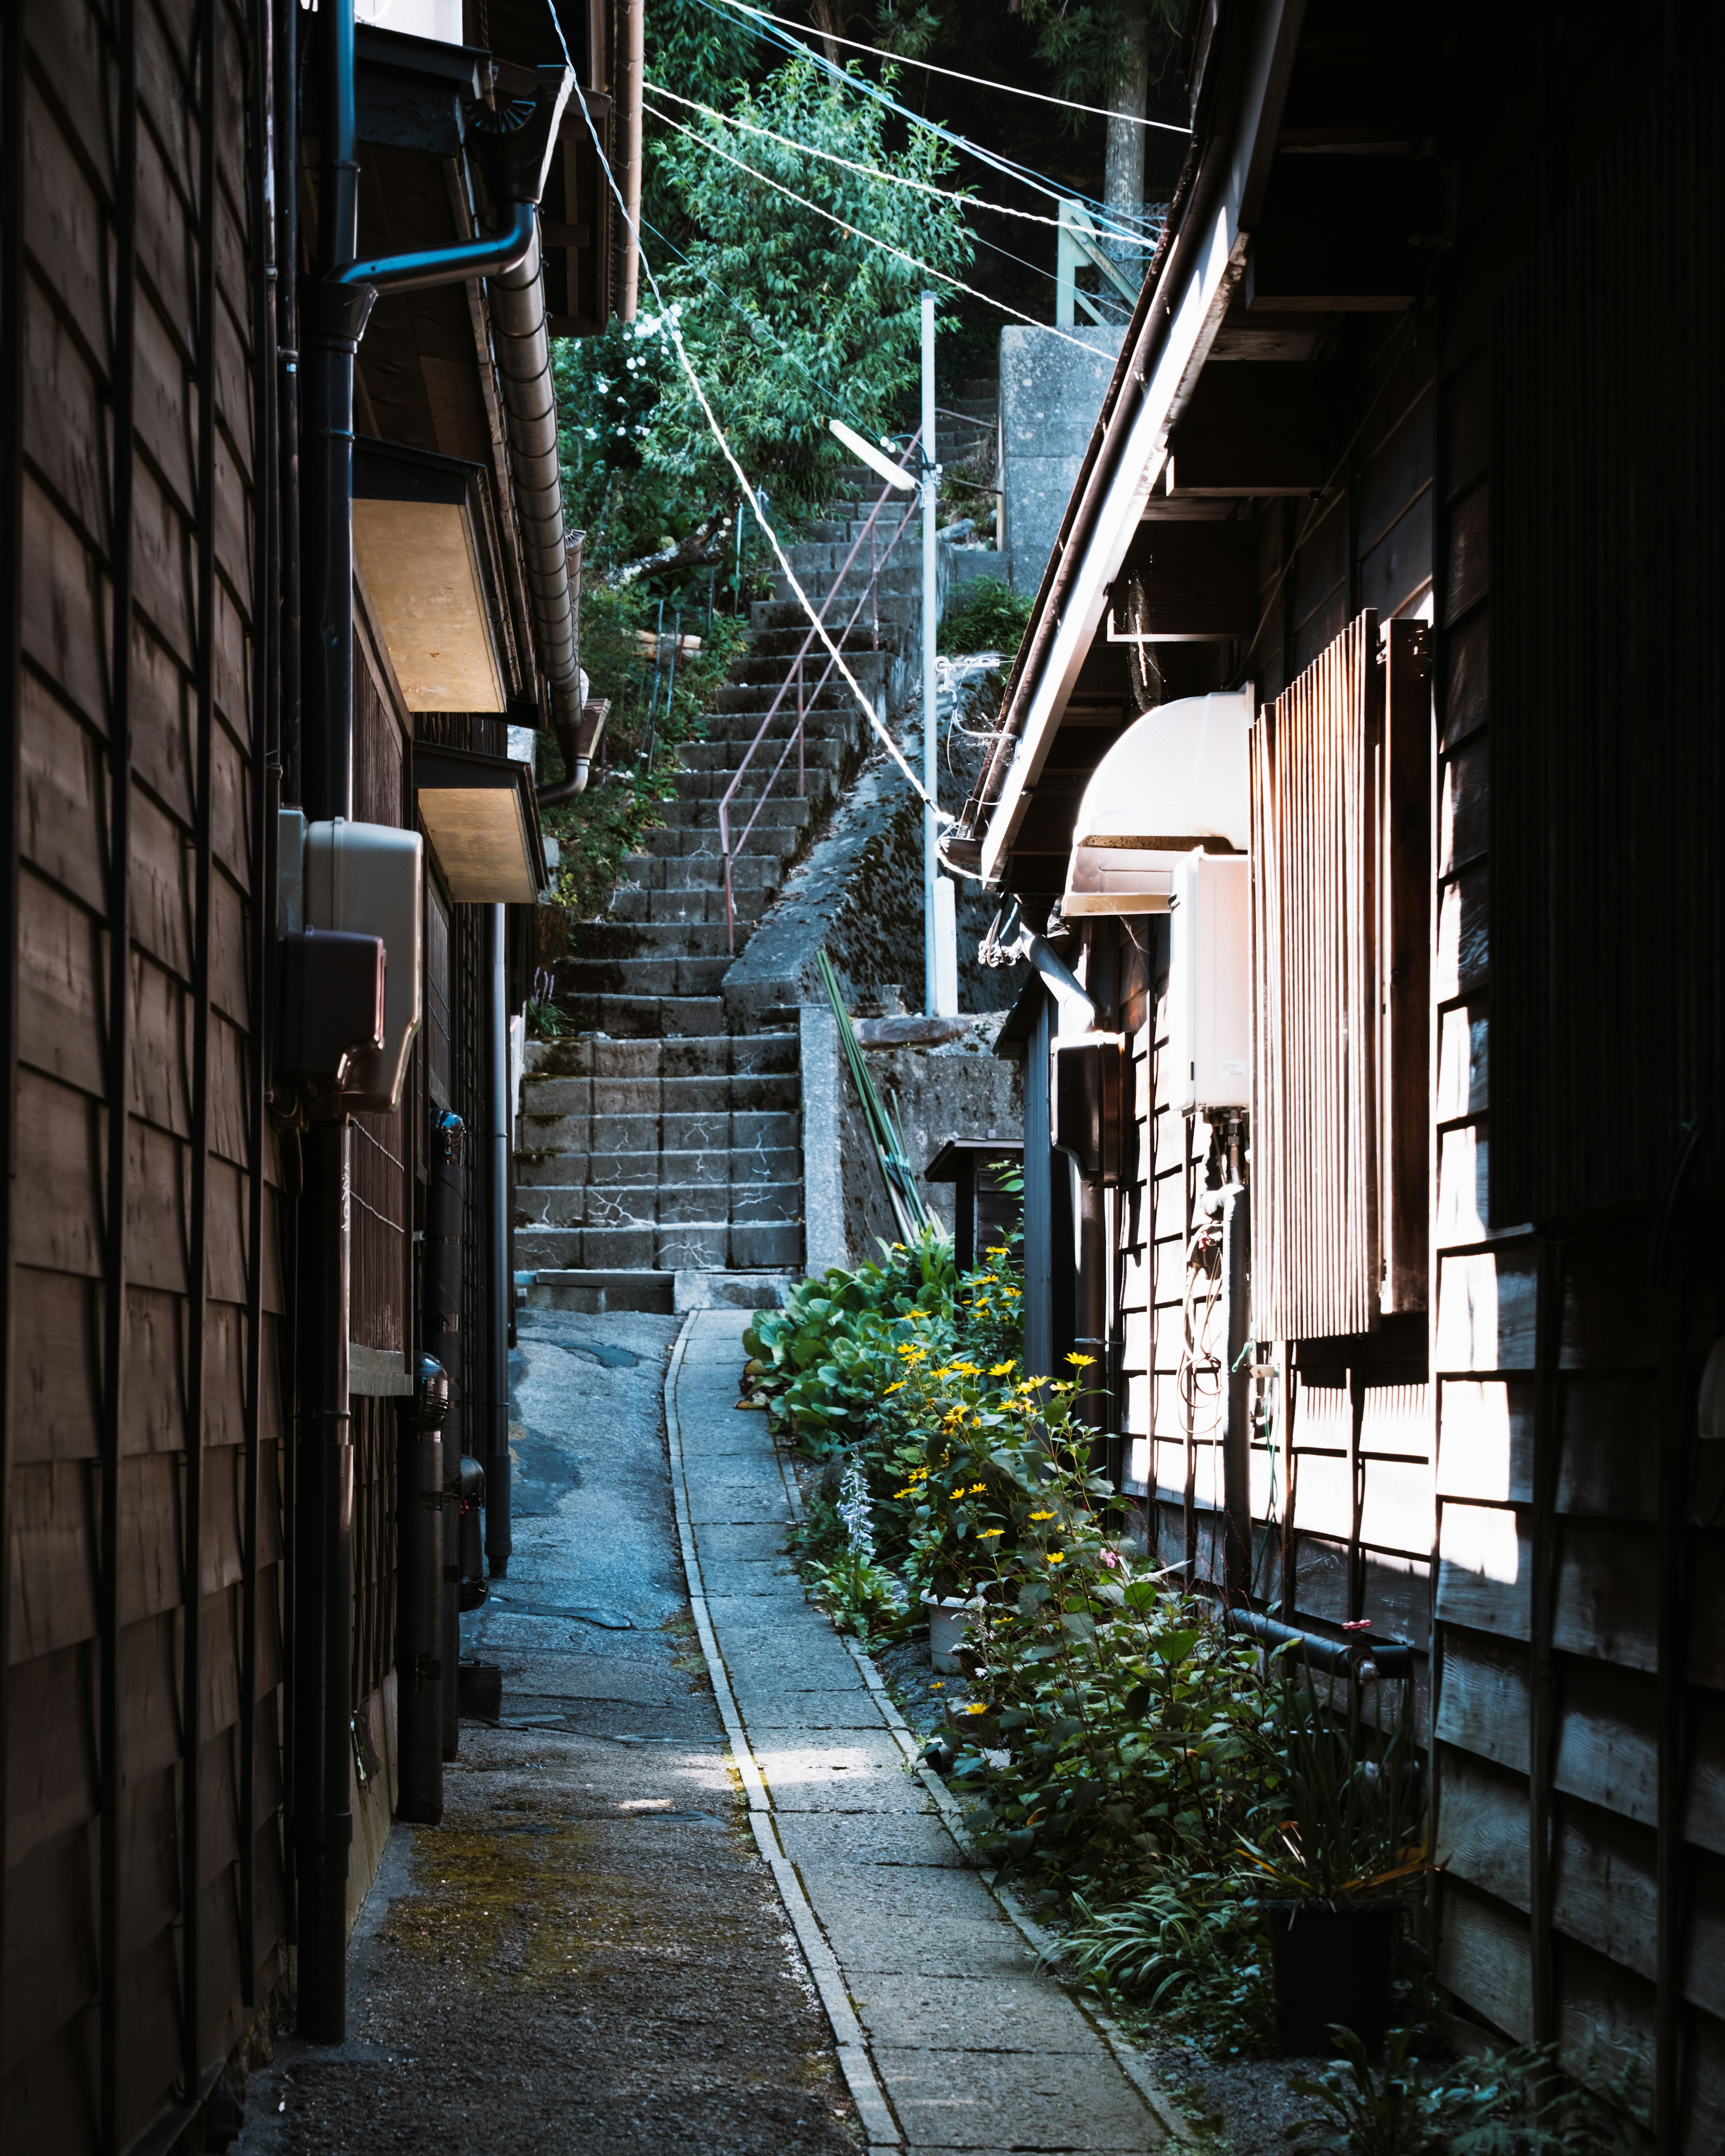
(362,880)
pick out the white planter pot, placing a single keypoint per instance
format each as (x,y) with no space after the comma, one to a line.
(948,1622)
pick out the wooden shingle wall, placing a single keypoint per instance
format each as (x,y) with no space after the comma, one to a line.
(144,1910)
(1581,1702)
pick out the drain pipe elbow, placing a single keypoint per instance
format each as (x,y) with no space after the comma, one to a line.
(579,744)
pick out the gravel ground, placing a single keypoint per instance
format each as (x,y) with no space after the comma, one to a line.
(589,1954)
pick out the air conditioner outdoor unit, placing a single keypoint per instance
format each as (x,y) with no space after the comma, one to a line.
(1209,983)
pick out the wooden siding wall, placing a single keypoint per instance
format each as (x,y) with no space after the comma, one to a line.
(1342,1492)
(1581,1586)
(1608,557)
(144,1911)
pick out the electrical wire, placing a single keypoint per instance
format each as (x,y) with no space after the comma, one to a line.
(670,321)
(885,246)
(981,82)
(1118,233)
(768,28)
(1005,254)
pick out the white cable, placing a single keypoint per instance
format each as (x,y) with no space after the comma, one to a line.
(982,82)
(856,232)
(898,179)
(750,494)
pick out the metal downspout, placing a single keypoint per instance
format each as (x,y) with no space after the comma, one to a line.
(498,1283)
(521,344)
(337,301)
(631,68)
(332,320)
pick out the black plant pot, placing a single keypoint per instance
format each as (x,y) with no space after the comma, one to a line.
(1331,1961)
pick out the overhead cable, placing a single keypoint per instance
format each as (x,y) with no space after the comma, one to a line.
(861,85)
(669,318)
(982,82)
(885,246)
(896,179)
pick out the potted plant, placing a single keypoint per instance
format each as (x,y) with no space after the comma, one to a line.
(1348,1829)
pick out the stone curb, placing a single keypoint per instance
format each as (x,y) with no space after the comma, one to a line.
(1042,1943)
(873,2109)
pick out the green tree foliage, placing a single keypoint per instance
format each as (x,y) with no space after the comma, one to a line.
(787,318)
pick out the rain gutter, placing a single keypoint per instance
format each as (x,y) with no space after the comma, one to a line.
(1167,343)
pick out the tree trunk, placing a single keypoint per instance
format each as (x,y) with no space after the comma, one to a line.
(1123,173)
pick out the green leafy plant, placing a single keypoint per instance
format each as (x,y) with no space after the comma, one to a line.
(652,715)
(988,616)
(1349,1812)
(1518,2103)
(862,1598)
(1188,1946)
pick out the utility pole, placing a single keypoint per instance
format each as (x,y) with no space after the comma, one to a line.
(930,732)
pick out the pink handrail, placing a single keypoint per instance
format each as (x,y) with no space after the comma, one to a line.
(868,595)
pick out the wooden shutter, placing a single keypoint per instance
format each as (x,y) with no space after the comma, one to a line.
(1341,911)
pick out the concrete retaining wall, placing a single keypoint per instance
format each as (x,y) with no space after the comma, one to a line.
(1050,392)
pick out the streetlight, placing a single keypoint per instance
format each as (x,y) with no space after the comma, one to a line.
(938,916)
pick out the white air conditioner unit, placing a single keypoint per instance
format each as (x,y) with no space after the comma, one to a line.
(1210,983)
(1175,778)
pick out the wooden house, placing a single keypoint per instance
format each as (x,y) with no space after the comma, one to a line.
(1387,592)
(205,1691)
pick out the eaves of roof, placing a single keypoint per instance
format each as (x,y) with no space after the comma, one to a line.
(1179,311)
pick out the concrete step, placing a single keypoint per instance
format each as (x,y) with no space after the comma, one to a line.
(722,760)
(551,1063)
(690,905)
(594,1291)
(564,1207)
(667,874)
(629,940)
(683,979)
(642,1017)
(769,840)
(664,1247)
(721,1168)
(684,814)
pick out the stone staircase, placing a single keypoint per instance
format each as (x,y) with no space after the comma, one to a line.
(658,1153)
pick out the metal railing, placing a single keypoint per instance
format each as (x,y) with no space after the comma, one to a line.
(868,596)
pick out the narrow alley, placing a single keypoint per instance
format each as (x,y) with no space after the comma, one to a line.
(609,1942)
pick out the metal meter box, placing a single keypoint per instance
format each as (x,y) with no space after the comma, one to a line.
(366,879)
(1209,983)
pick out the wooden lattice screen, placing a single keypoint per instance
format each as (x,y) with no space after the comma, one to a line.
(1341,956)
(1314,1152)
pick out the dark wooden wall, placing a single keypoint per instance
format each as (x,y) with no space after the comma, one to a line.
(144,1912)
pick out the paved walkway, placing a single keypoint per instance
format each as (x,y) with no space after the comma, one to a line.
(949,2036)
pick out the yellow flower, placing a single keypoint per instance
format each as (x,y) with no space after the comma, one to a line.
(1083,1361)
(965,1370)
(1042,1515)
(939,1685)
(1057,1556)
(988,1534)
(897,1494)
(1003,1369)
(896,1386)
(976,1707)
(977,1490)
